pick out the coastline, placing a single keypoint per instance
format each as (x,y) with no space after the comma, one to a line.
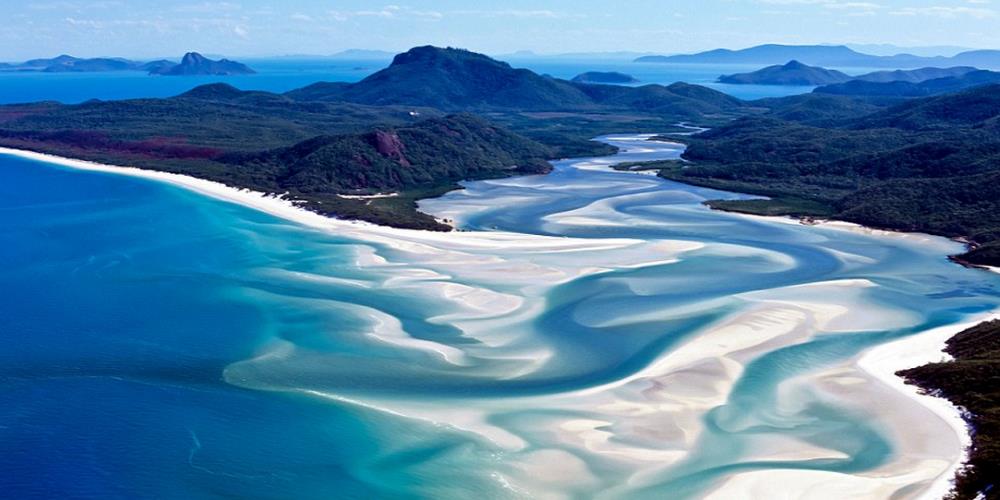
(881,362)
(452,245)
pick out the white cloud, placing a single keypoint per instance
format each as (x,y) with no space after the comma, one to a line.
(523,14)
(208,7)
(946,12)
(387,12)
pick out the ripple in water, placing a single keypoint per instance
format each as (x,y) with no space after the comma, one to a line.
(593,334)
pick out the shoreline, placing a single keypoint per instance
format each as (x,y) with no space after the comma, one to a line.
(881,362)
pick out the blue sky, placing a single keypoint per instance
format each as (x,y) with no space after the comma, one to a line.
(151,28)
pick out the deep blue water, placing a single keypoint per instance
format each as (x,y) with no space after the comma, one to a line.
(282,75)
(161,344)
(158,343)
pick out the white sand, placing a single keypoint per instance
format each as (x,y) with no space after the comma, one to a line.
(884,361)
(709,364)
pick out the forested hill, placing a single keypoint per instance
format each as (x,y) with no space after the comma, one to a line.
(456,79)
(930,164)
(791,73)
(927,164)
(316,142)
(905,89)
(267,143)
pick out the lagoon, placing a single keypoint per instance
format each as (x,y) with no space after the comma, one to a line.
(590,332)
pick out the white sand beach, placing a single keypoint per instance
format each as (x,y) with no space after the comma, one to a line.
(650,420)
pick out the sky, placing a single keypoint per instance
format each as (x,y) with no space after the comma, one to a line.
(246,28)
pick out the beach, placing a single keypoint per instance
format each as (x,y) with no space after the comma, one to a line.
(644,416)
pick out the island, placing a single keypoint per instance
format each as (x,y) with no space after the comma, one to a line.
(791,73)
(796,73)
(194,63)
(924,164)
(407,129)
(826,55)
(191,64)
(69,64)
(612,77)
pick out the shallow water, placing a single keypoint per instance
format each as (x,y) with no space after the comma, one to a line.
(595,333)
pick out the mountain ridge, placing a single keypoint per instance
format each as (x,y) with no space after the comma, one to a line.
(457,79)
(826,55)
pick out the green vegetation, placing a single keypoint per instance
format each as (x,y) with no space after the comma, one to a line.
(782,205)
(604,77)
(926,164)
(909,88)
(455,79)
(971,381)
(643,166)
(330,138)
(416,160)
(930,164)
(215,116)
(792,73)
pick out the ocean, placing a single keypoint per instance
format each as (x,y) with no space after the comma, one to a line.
(282,75)
(590,333)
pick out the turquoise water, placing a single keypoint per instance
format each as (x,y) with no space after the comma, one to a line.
(160,343)
(282,75)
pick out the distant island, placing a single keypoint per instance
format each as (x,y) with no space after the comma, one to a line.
(363,55)
(797,73)
(792,73)
(70,64)
(604,77)
(915,75)
(827,55)
(192,64)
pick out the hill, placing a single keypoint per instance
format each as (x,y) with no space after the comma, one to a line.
(791,73)
(927,164)
(194,63)
(905,89)
(818,109)
(456,79)
(434,152)
(963,109)
(612,77)
(269,143)
(317,142)
(914,75)
(451,79)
